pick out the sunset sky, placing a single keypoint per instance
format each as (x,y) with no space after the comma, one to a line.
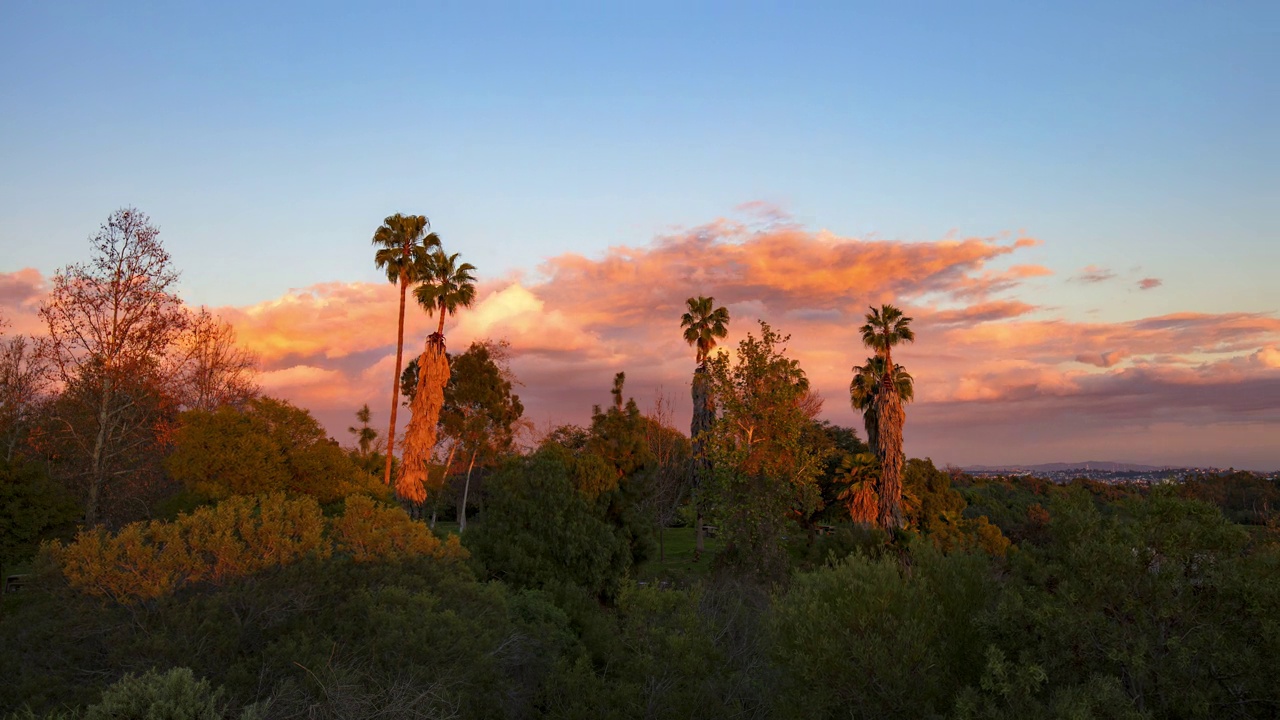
(1080,207)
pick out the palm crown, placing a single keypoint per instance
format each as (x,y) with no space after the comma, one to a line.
(885,328)
(399,240)
(446,285)
(868,378)
(703,325)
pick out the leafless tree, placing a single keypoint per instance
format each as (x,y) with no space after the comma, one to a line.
(24,385)
(211,370)
(111,322)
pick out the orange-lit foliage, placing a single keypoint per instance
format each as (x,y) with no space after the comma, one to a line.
(861,501)
(235,538)
(239,536)
(369,531)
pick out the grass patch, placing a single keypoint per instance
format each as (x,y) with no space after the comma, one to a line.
(679,566)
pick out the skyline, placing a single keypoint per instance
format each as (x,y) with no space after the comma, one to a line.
(1077,204)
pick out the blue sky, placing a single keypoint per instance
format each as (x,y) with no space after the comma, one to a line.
(269,142)
(1133,140)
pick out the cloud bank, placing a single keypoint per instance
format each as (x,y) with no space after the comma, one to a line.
(999,377)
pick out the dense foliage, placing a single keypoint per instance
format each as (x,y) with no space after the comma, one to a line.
(267,573)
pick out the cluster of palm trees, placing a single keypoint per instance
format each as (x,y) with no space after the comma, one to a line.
(413,256)
(879,390)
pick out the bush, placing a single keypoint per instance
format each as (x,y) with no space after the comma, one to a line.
(172,695)
(539,531)
(237,537)
(368,531)
(889,637)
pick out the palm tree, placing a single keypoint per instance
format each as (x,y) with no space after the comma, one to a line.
(446,285)
(400,241)
(885,328)
(859,496)
(703,324)
(866,386)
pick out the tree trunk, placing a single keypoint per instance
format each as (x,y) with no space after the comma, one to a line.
(466,488)
(420,436)
(891,419)
(395,381)
(96,473)
(703,417)
(444,481)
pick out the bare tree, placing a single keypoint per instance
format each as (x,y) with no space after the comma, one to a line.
(24,384)
(111,323)
(671,482)
(211,370)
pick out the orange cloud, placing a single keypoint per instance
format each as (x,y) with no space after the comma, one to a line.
(995,372)
(20,295)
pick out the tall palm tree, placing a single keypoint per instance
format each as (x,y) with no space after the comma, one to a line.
(865,387)
(703,324)
(885,328)
(401,239)
(446,285)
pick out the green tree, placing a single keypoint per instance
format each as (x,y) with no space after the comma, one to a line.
(538,530)
(364,435)
(402,240)
(481,414)
(885,328)
(269,445)
(765,450)
(703,324)
(33,508)
(619,438)
(905,631)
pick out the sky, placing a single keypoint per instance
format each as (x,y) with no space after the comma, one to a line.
(1077,204)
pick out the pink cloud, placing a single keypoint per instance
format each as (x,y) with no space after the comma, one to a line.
(993,369)
(1149,283)
(1093,274)
(20,295)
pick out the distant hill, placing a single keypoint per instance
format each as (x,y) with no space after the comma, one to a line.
(1100,465)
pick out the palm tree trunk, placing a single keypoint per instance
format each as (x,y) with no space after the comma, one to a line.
(700,466)
(466,489)
(420,436)
(440,329)
(891,419)
(395,382)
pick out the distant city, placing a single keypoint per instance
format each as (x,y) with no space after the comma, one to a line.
(1104,471)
